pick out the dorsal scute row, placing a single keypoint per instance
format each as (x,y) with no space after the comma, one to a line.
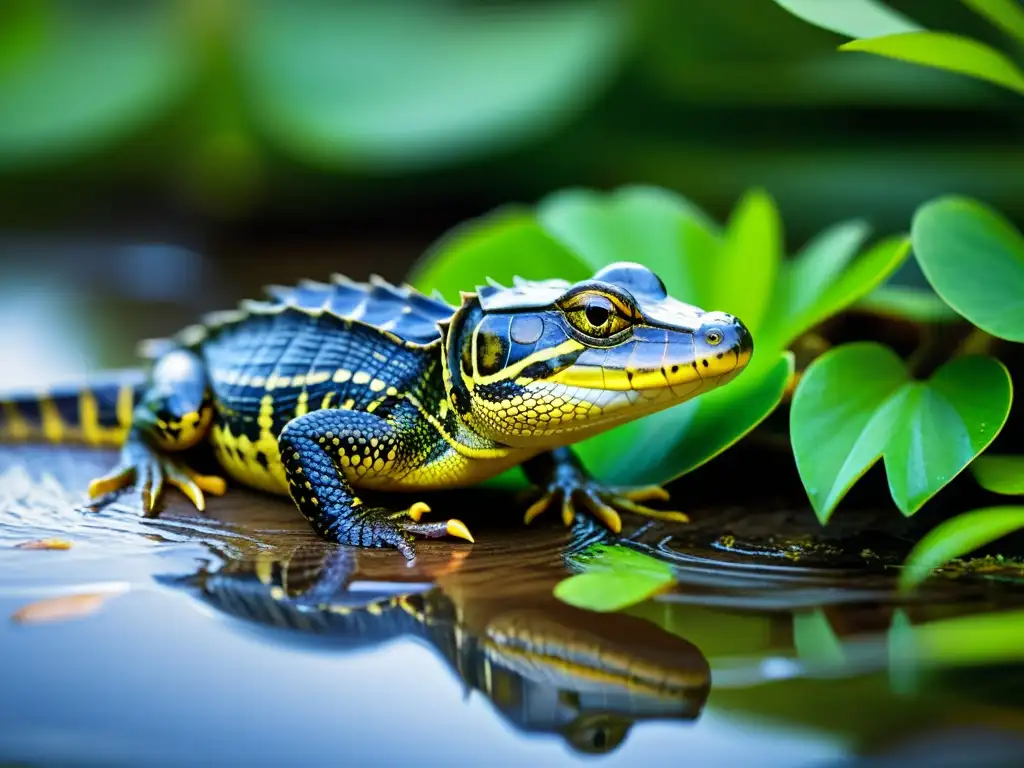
(400,312)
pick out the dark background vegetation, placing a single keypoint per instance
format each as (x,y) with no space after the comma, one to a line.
(165,157)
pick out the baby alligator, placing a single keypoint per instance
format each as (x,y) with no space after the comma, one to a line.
(325,388)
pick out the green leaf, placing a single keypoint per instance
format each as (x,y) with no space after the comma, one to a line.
(654,226)
(906,302)
(399,85)
(616,577)
(974,259)
(826,278)
(708,425)
(839,425)
(83,79)
(501,245)
(957,537)
(852,18)
(1007,14)
(1000,474)
(815,641)
(904,679)
(856,403)
(984,639)
(943,50)
(753,248)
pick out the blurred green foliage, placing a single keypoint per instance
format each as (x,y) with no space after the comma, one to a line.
(246,107)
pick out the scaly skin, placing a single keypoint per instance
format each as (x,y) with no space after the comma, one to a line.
(332,388)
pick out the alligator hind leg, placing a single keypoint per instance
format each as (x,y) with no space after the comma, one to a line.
(173,415)
(322,450)
(567,484)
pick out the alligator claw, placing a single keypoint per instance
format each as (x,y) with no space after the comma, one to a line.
(148,471)
(603,503)
(401,526)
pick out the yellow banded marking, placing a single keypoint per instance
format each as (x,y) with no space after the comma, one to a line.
(53,426)
(516,368)
(245,468)
(302,407)
(326,402)
(361,377)
(464,450)
(94,433)
(318,378)
(16,427)
(377,385)
(342,375)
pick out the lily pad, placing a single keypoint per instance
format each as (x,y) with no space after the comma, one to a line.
(853,18)
(957,537)
(421,85)
(974,259)
(857,403)
(1000,474)
(947,51)
(616,577)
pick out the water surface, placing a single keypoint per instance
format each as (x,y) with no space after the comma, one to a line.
(238,636)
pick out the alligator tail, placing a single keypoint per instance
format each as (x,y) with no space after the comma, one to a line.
(96,411)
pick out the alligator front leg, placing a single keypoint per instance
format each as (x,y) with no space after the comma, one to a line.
(568,485)
(325,451)
(173,415)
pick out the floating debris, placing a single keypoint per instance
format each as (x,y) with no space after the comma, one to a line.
(45,544)
(65,607)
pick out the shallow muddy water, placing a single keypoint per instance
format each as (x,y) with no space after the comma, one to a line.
(236,636)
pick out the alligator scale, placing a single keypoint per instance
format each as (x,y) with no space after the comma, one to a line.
(326,389)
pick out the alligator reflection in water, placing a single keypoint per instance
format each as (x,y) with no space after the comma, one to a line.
(547,667)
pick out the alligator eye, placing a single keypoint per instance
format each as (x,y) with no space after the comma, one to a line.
(596,315)
(598,311)
(713,337)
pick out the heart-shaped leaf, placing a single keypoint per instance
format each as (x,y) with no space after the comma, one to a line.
(853,18)
(974,259)
(958,537)
(417,85)
(84,78)
(1007,14)
(1000,474)
(616,577)
(857,403)
(943,50)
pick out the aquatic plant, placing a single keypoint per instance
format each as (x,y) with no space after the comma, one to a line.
(973,258)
